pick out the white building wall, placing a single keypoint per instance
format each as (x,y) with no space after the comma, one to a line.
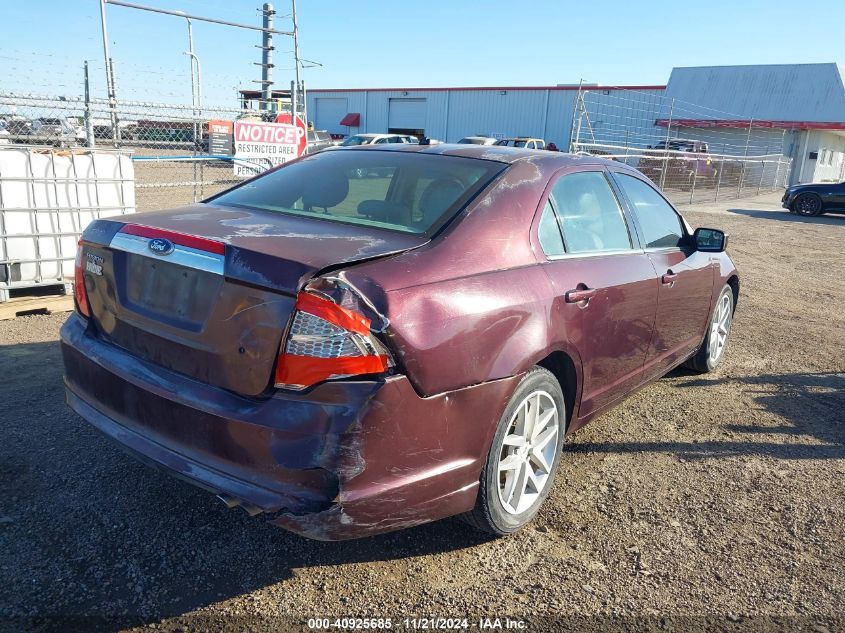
(829,164)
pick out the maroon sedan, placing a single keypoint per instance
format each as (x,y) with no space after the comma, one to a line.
(357,355)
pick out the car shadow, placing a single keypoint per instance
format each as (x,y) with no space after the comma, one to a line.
(810,404)
(786,216)
(94,540)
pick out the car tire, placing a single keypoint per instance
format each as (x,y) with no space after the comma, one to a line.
(807,204)
(510,497)
(709,356)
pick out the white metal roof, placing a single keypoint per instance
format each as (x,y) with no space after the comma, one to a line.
(779,92)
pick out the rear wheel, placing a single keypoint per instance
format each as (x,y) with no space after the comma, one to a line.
(807,204)
(712,350)
(523,458)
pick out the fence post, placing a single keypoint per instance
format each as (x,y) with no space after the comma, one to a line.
(694,178)
(666,149)
(762,173)
(719,179)
(89,123)
(107,62)
(574,113)
(627,144)
(115,128)
(745,157)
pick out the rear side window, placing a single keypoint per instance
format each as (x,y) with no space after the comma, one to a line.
(660,224)
(408,192)
(591,217)
(548,233)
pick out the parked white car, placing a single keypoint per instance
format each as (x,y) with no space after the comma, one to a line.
(59,131)
(372,139)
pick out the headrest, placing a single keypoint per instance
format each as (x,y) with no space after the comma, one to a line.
(439,196)
(328,191)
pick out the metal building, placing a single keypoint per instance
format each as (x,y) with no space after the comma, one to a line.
(448,114)
(802,104)
(797,110)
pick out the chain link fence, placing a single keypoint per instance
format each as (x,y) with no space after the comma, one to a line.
(175,162)
(694,154)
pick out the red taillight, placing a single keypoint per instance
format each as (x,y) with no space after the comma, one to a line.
(327,341)
(79,292)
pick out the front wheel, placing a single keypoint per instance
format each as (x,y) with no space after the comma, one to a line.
(712,350)
(807,204)
(524,456)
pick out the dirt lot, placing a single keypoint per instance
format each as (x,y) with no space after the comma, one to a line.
(699,503)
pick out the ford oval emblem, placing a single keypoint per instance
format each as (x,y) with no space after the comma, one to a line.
(160,246)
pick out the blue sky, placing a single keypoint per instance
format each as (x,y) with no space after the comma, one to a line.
(408,43)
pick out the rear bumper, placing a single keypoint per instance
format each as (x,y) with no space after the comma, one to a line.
(346,460)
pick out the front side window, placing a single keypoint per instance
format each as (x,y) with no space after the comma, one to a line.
(408,192)
(660,224)
(591,217)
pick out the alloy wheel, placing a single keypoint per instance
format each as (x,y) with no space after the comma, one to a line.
(528,452)
(719,327)
(808,204)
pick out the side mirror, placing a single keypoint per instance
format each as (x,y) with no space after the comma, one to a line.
(710,240)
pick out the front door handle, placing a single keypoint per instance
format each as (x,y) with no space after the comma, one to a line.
(669,278)
(577,296)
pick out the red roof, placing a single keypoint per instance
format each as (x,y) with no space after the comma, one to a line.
(754,123)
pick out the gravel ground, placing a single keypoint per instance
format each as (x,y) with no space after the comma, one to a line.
(701,502)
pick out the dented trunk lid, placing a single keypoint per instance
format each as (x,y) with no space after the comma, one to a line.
(215,307)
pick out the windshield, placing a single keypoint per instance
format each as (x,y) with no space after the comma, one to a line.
(357,140)
(408,192)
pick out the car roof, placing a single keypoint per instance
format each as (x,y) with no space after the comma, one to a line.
(498,153)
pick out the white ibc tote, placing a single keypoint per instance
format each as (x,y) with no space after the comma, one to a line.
(47,198)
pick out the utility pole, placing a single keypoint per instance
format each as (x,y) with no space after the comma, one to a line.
(294,98)
(266,56)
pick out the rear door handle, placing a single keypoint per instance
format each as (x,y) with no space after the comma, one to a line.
(577,296)
(669,278)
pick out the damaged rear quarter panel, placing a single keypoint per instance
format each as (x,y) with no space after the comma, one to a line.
(406,460)
(472,305)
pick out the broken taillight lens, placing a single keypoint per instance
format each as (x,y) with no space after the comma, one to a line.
(80,295)
(327,341)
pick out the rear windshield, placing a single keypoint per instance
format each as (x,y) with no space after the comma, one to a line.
(408,192)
